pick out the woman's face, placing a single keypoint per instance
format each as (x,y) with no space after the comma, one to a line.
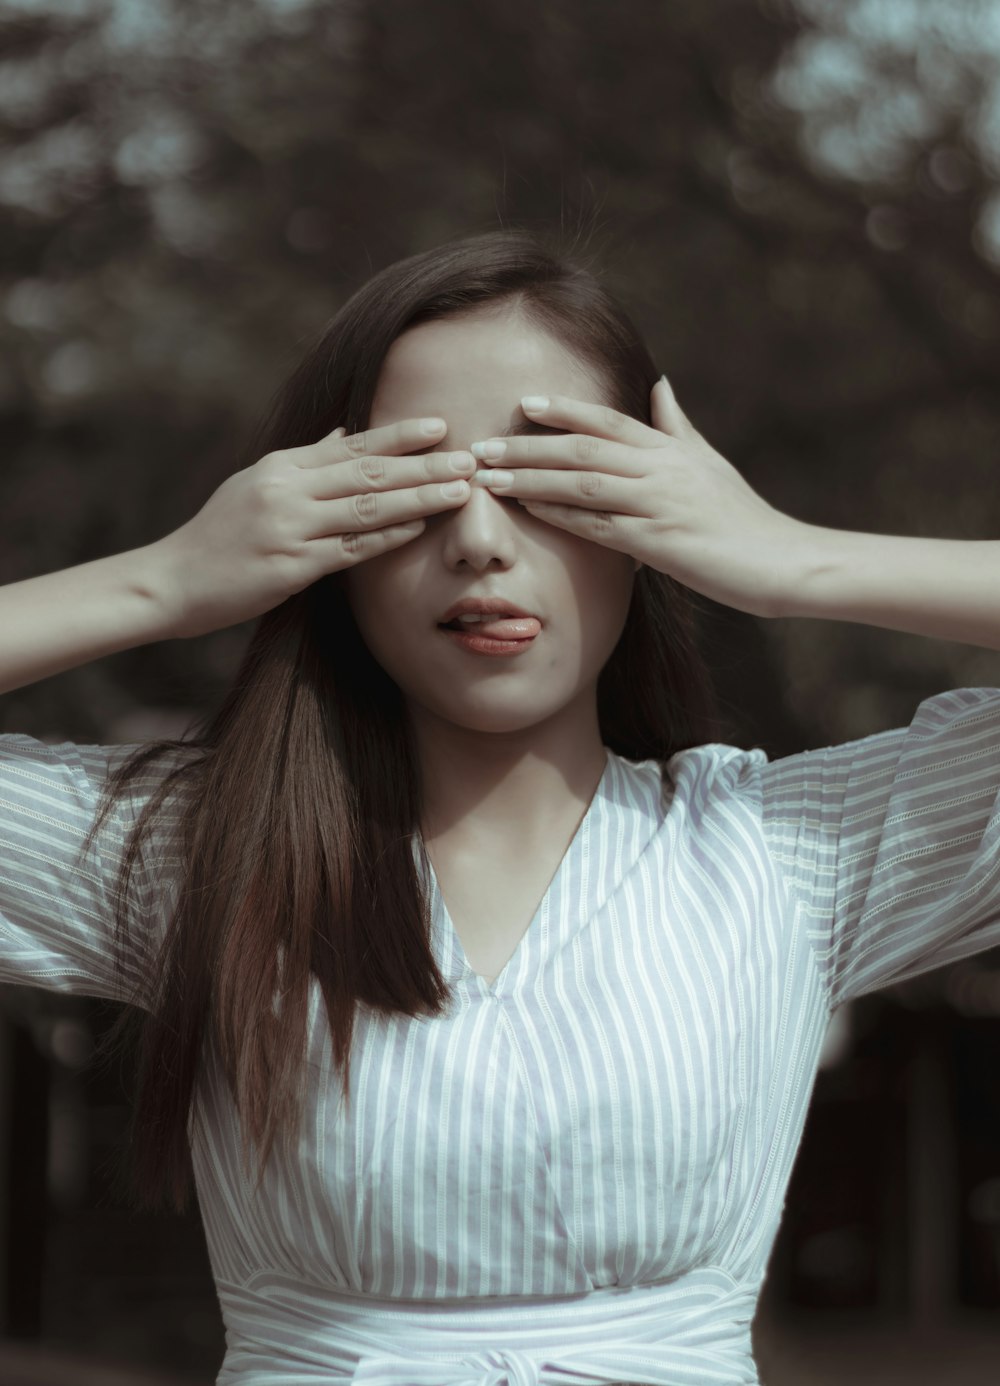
(472,371)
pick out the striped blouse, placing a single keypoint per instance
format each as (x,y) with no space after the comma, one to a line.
(574,1175)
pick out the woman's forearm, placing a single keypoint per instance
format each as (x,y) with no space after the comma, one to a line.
(61,620)
(945,588)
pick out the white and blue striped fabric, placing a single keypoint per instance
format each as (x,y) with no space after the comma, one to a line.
(575,1175)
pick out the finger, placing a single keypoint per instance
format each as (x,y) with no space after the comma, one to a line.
(404,436)
(359,475)
(585,490)
(371,511)
(331,553)
(337,433)
(567,450)
(667,413)
(604,527)
(580,416)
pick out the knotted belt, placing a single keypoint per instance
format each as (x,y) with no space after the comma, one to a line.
(694,1331)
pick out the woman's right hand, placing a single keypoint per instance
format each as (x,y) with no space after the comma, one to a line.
(276,527)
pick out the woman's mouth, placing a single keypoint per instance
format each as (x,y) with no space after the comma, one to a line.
(498,627)
(498,635)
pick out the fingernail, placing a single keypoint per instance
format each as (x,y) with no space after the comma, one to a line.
(534,404)
(454,490)
(498,480)
(432,426)
(460,462)
(491,449)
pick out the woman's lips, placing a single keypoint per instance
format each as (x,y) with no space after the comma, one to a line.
(469,639)
(500,627)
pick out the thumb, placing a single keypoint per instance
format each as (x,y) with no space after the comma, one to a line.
(668,416)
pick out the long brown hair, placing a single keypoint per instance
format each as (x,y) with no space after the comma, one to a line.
(300,795)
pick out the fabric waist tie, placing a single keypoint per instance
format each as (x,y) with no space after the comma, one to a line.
(694,1331)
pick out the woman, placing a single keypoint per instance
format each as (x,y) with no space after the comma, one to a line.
(487,986)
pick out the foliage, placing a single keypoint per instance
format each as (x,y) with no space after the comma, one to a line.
(189,191)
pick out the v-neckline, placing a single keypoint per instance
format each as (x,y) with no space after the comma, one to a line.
(453,952)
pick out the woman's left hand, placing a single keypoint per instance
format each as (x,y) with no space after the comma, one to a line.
(661,494)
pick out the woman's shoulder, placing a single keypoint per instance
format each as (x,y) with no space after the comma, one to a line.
(56,749)
(960,723)
(56,776)
(712,773)
(716,767)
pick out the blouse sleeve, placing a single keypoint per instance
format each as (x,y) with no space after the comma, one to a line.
(56,906)
(891,845)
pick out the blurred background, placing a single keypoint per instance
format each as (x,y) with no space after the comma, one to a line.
(799,203)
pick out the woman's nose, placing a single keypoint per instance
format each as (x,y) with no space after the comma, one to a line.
(479,530)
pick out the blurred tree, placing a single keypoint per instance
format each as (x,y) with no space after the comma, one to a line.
(896,111)
(190,191)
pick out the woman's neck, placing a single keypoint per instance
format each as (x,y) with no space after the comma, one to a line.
(506,791)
